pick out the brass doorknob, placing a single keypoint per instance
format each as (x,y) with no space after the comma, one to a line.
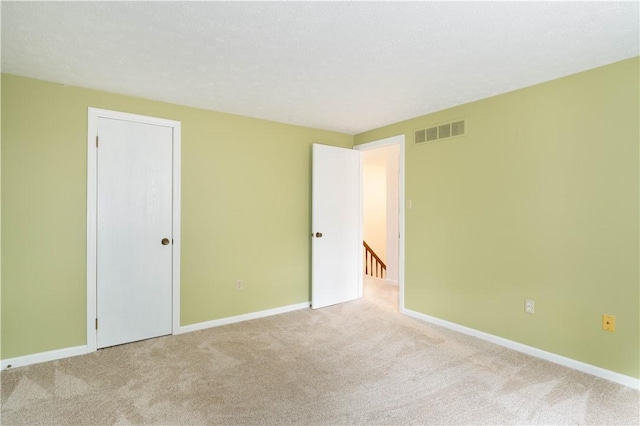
(318,234)
(165,241)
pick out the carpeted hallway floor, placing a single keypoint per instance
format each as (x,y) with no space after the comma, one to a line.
(355,363)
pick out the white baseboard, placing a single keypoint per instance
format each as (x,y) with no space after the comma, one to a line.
(36,358)
(622,379)
(239,318)
(22,361)
(629,381)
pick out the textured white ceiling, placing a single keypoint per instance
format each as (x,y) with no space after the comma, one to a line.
(345,66)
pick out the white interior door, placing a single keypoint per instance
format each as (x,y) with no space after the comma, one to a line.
(337,245)
(134,215)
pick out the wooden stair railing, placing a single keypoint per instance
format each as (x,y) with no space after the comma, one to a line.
(373,265)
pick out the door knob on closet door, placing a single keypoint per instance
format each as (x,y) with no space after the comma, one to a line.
(318,234)
(165,241)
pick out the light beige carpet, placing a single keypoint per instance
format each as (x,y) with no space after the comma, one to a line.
(355,363)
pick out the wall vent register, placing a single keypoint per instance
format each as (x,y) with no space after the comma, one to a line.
(440,131)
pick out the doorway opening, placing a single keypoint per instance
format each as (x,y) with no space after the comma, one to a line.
(383,222)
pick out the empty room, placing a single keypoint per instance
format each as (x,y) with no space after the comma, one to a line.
(320,213)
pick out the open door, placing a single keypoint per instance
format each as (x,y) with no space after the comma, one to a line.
(336,236)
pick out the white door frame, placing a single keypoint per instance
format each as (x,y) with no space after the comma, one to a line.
(94,115)
(393,140)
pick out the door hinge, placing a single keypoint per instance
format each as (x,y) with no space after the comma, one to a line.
(96,141)
(96,323)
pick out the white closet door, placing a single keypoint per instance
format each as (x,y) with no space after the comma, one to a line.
(134,231)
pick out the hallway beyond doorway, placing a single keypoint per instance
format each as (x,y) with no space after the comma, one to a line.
(381,292)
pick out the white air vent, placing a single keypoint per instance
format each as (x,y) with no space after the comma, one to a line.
(444,131)
(457,128)
(441,131)
(432,134)
(421,136)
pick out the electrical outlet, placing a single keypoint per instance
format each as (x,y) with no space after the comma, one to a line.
(608,323)
(529,306)
(239,285)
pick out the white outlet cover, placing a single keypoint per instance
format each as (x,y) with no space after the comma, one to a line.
(529,306)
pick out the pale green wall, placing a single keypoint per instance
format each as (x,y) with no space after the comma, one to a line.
(245,211)
(539,201)
(0,219)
